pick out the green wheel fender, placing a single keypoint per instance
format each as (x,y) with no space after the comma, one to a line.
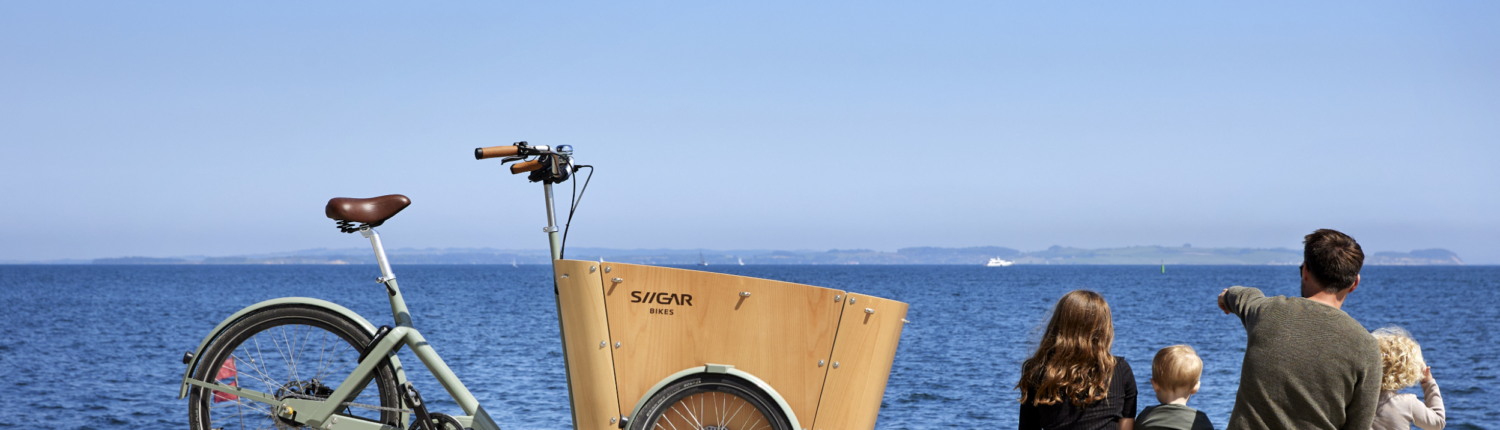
(724,369)
(273,303)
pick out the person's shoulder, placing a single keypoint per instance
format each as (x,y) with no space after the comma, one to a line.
(1121,364)
(1353,332)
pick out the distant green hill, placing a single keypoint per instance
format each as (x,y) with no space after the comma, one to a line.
(141,260)
(1143,255)
(1420,257)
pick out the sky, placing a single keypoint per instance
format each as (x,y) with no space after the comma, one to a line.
(221,128)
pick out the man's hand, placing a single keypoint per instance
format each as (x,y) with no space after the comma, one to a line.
(1222,307)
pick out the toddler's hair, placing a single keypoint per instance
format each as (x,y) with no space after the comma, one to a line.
(1400,358)
(1176,366)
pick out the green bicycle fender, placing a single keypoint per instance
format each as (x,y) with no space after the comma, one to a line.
(717,369)
(326,305)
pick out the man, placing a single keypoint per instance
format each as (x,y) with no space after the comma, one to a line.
(1308,365)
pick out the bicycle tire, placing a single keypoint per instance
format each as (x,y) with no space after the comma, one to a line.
(711,402)
(277,368)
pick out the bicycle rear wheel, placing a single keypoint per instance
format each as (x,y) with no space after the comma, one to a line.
(711,402)
(292,351)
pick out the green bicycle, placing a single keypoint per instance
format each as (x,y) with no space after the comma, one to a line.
(299,362)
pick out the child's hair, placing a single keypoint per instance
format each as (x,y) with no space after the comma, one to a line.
(1176,366)
(1072,362)
(1401,361)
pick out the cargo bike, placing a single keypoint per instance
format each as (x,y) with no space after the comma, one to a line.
(644,347)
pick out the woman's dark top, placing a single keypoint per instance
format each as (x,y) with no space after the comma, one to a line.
(1103,414)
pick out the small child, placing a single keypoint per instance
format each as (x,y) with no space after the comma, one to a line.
(1174,377)
(1401,365)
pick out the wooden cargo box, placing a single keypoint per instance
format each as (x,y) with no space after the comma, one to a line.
(629,330)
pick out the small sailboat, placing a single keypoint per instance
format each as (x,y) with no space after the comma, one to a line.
(998,262)
(513,262)
(701,261)
(742,262)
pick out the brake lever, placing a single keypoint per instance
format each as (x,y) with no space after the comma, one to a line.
(512,158)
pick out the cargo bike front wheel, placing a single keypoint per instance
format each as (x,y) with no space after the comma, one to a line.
(711,402)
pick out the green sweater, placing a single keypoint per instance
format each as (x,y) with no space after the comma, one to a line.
(1307,365)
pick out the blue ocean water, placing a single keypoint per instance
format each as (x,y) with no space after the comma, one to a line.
(101,346)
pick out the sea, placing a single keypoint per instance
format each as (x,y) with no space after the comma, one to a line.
(100,347)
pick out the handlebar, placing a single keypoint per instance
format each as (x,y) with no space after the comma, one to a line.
(526,166)
(496,151)
(552,165)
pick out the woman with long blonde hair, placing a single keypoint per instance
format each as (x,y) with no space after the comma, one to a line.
(1072,381)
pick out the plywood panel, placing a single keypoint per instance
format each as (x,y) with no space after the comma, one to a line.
(778,333)
(591,376)
(864,351)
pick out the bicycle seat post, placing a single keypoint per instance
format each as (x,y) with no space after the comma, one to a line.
(398,305)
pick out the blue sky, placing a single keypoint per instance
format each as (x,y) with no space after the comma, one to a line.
(222,128)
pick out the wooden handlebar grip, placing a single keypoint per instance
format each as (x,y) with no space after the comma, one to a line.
(524,167)
(495,151)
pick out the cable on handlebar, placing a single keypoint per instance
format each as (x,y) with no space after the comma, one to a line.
(577,197)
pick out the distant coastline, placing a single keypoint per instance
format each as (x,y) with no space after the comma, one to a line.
(1137,255)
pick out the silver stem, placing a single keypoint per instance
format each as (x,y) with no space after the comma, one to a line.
(552,237)
(385,266)
(551,213)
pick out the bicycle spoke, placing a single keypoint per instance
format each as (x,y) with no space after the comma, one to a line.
(736,413)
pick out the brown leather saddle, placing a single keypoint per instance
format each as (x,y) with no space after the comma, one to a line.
(369,212)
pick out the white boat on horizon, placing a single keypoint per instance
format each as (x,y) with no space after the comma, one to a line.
(998,262)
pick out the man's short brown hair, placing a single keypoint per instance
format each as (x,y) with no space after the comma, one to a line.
(1176,367)
(1333,259)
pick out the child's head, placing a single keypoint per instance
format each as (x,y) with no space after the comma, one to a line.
(1073,361)
(1175,370)
(1401,361)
